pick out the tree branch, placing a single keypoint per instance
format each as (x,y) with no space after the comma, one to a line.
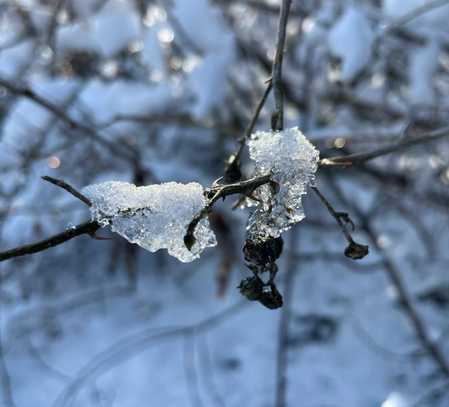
(278,116)
(283,330)
(396,280)
(354,250)
(62,184)
(88,228)
(86,131)
(222,191)
(415,13)
(360,158)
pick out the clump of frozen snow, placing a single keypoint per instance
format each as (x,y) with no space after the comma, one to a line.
(292,160)
(351,39)
(154,217)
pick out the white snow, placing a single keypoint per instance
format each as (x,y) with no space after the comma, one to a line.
(395,9)
(293,161)
(351,39)
(423,65)
(154,217)
(395,400)
(108,32)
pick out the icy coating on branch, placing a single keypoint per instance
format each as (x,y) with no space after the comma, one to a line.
(154,217)
(292,160)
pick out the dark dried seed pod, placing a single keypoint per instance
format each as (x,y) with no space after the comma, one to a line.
(356,251)
(271,297)
(232,170)
(251,288)
(264,251)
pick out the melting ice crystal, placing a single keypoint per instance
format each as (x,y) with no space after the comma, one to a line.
(292,160)
(154,217)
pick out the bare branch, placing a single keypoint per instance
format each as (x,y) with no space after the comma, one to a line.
(62,184)
(222,191)
(360,158)
(354,250)
(405,300)
(283,330)
(278,116)
(413,14)
(88,228)
(252,123)
(118,150)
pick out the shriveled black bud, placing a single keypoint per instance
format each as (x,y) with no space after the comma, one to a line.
(189,240)
(232,170)
(271,297)
(263,251)
(356,251)
(254,289)
(251,288)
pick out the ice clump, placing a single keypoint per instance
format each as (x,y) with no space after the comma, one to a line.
(292,160)
(154,217)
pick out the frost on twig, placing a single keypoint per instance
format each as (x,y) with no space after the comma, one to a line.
(154,217)
(292,160)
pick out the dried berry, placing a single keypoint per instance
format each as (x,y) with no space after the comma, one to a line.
(263,251)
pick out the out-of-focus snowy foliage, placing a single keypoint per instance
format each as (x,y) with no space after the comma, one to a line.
(154,217)
(293,161)
(163,90)
(354,50)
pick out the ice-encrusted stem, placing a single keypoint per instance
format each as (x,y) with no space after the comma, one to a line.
(222,191)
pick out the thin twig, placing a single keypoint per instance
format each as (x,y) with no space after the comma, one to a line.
(129,346)
(5,378)
(405,300)
(62,184)
(179,119)
(232,170)
(278,117)
(413,14)
(53,25)
(222,191)
(88,228)
(360,158)
(336,215)
(118,150)
(252,123)
(190,371)
(283,331)
(354,250)
(209,373)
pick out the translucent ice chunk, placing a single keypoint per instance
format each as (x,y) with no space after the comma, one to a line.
(292,160)
(154,217)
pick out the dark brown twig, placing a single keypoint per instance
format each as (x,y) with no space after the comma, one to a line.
(84,130)
(413,14)
(278,116)
(88,228)
(62,184)
(252,123)
(232,170)
(54,24)
(222,191)
(405,300)
(354,250)
(283,331)
(360,158)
